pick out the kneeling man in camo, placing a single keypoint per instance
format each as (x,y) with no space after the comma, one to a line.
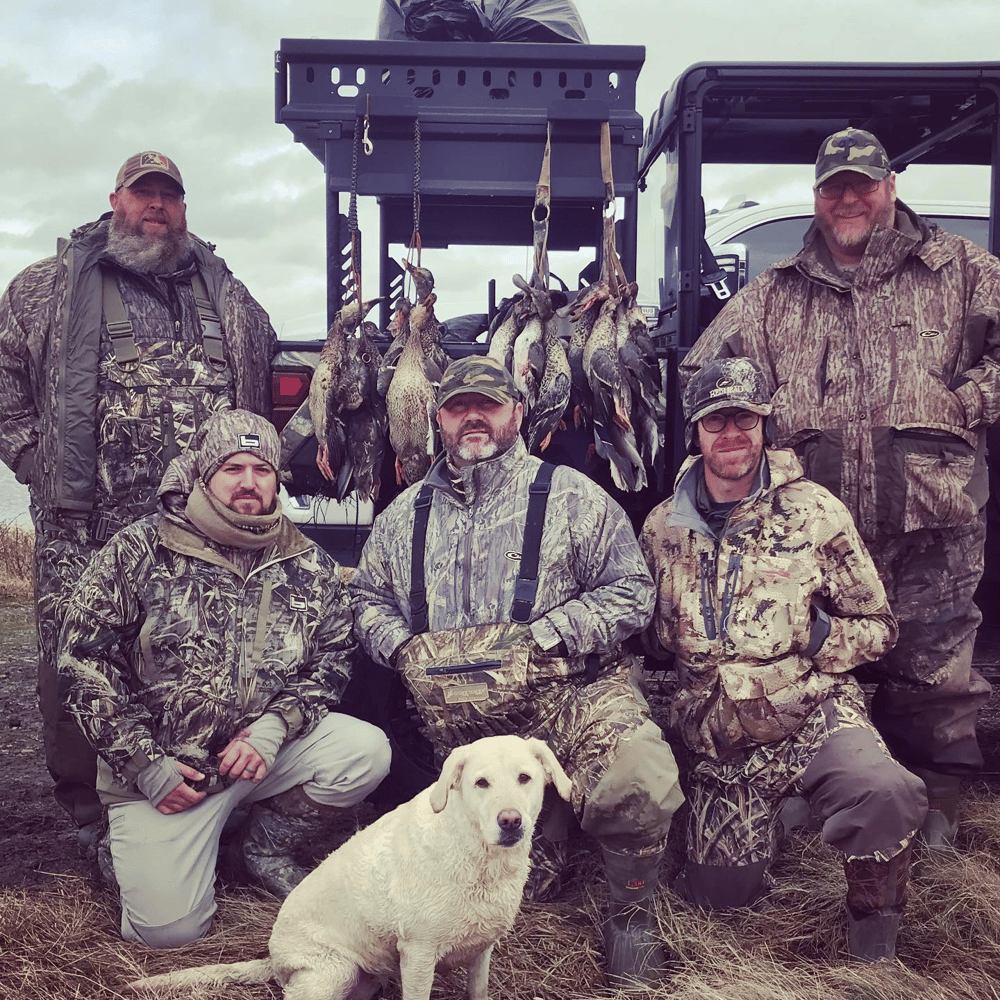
(503,590)
(767,598)
(201,655)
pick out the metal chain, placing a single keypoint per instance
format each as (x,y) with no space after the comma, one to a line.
(415,238)
(352,213)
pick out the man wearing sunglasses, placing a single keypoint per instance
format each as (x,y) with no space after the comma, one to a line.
(767,598)
(882,336)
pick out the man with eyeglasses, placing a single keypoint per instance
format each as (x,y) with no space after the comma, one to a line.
(112,354)
(767,599)
(882,336)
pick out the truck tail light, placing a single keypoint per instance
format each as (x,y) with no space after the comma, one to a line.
(289,388)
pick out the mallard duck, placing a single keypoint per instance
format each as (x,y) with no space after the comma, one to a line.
(337,385)
(423,280)
(614,436)
(553,390)
(582,313)
(410,400)
(398,330)
(528,361)
(365,426)
(503,335)
(645,378)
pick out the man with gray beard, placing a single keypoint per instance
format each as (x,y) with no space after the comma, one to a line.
(503,591)
(112,354)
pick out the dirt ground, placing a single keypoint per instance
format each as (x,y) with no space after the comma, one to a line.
(39,840)
(38,837)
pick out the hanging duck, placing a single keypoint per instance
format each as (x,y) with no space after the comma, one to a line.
(338,385)
(410,398)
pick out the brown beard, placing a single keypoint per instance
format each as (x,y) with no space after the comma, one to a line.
(147,254)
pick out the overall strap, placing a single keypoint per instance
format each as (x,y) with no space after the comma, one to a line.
(120,327)
(211,325)
(418,592)
(118,324)
(526,586)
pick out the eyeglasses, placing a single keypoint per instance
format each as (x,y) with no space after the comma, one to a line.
(715,422)
(834,190)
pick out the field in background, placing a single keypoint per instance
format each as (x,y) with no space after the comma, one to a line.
(16,544)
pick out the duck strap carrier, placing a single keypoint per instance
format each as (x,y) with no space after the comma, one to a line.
(484,680)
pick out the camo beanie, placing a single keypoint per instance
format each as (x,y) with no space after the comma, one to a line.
(230,432)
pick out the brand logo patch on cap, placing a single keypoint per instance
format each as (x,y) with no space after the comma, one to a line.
(249,441)
(157,160)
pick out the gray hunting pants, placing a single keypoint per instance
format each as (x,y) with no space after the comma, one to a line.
(867,805)
(165,865)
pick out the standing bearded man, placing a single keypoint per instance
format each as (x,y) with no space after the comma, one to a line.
(112,354)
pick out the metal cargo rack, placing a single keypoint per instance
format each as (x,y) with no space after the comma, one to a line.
(482,112)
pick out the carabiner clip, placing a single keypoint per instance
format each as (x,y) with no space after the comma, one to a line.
(366,143)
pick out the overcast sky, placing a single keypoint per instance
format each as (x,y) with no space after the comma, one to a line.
(86,85)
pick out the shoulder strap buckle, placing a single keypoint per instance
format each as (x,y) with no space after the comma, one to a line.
(116,318)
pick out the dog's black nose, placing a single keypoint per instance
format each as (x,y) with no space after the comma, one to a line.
(509,819)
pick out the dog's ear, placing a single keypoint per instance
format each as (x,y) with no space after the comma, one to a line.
(450,776)
(554,774)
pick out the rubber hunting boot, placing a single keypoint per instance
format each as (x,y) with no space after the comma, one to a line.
(633,949)
(876,895)
(276,830)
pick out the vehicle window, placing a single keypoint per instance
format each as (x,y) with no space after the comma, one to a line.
(976,230)
(771,241)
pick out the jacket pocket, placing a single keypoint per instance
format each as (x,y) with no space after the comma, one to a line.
(468,682)
(924,482)
(822,457)
(936,494)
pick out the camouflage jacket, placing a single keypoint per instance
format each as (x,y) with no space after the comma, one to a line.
(87,433)
(736,608)
(885,386)
(594,590)
(167,650)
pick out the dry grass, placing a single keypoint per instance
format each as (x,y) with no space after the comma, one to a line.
(64,943)
(16,546)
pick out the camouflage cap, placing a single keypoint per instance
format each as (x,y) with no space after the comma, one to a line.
(726,382)
(230,432)
(480,374)
(851,149)
(148,162)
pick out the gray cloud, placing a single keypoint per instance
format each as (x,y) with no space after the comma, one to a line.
(87,86)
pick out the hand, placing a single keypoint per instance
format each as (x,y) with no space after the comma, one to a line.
(183,796)
(241,761)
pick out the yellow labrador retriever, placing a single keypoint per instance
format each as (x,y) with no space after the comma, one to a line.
(435,882)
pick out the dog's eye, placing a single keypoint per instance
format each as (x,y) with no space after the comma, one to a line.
(482,783)
(523,778)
